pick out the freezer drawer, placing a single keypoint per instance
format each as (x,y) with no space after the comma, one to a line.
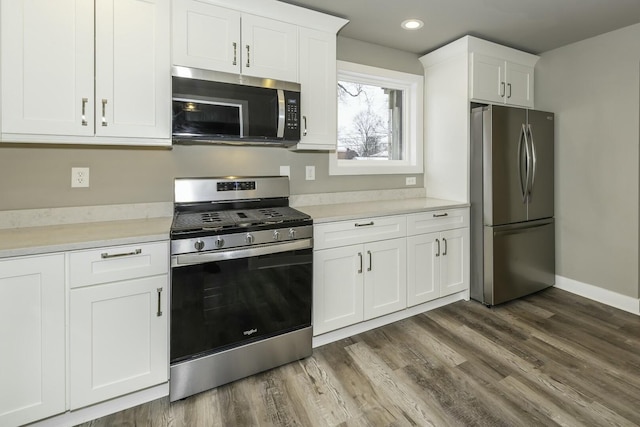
(519,260)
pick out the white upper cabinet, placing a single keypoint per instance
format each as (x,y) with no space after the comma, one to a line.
(498,81)
(206,36)
(319,90)
(133,90)
(48,74)
(221,39)
(47,67)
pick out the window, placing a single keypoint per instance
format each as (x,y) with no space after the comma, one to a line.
(379,122)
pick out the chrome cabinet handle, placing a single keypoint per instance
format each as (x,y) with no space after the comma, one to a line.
(360,256)
(367,224)
(159,313)
(106,255)
(438,243)
(104,112)
(248,57)
(84,111)
(370,261)
(502,91)
(444,253)
(304,118)
(235,53)
(440,215)
(509,86)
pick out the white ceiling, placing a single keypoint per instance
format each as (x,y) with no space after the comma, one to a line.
(534,26)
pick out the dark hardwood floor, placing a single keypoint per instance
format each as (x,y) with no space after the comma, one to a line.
(552,358)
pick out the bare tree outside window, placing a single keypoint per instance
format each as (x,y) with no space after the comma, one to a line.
(369,122)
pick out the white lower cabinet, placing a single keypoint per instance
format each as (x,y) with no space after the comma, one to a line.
(359,271)
(438,262)
(372,267)
(358,282)
(118,339)
(118,321)
(32,338)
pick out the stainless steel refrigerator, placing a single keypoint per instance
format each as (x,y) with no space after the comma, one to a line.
(511,189)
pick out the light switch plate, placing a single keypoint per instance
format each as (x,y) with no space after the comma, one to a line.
(285,171)
(310,173)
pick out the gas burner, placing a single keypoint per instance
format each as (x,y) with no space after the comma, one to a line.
(213,214)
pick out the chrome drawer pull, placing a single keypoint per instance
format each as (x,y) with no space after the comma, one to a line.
(364,225)
(106,255)
(440,215)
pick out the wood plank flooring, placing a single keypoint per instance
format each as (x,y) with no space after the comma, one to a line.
(552,358)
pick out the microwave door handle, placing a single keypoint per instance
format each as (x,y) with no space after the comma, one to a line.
(281,112)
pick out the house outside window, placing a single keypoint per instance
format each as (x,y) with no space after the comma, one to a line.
(379,121)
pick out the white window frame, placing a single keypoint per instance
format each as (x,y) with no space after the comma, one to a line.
(412,122)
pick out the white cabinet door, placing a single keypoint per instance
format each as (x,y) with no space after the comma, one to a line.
(118,339)
(423,269)
(454,270)
(337,288)
(519,85)
(133,91)
(32,333)
(488,79)
(318,85)
(385,284)
(206,36)
(269,48)
(47,67)
(498,81)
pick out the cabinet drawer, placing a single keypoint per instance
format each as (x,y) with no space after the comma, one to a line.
(342,233)
(114,263)
(429,222)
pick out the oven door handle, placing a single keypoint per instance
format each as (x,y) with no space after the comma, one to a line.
(214,256)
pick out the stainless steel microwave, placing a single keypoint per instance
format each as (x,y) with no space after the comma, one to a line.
(221,108)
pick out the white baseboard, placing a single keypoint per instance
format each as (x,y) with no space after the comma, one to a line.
(623,302)
(105,408)
(358,328)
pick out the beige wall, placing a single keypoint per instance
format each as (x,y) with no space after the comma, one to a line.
(593,87)
(40,176)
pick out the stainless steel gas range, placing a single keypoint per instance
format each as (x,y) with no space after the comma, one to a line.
(241,269)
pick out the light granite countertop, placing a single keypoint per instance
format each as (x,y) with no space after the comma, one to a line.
(68,237)
(349,211)
(43,231)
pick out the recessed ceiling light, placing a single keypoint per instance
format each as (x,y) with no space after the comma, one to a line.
(412,24)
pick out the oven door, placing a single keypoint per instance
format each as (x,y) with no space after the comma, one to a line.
(224,299)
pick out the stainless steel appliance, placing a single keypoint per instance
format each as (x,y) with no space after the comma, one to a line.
(241,288)
(512,225)
(220,108)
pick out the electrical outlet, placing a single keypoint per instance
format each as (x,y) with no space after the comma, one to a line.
(79,177)
(310,173)
(285,171)
(410,180)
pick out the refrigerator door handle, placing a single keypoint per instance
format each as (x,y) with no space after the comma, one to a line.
(524,185)
(534,162)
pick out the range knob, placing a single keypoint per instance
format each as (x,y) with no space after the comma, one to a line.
(250,239)
(219,242)
(276,235)
(292,233)
(199,245)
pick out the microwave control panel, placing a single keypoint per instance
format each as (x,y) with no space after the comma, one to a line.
(292,115)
